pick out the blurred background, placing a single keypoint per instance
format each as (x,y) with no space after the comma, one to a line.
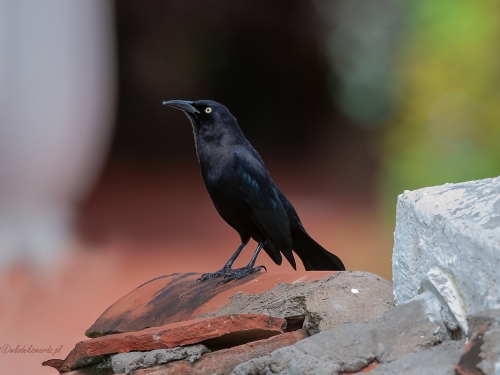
(349,102)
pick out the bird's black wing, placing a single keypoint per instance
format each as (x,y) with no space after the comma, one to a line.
(267,211)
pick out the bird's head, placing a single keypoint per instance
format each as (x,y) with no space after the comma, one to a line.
(204,114)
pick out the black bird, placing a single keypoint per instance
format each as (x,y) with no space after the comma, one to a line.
(245,196)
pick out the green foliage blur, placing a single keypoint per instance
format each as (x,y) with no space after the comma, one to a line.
(446,122)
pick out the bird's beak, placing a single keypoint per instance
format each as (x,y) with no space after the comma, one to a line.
(183,105)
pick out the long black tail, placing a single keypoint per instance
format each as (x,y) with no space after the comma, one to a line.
(312,254)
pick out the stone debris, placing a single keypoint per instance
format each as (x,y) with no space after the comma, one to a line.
(301,303)
(408,328)
(411,338)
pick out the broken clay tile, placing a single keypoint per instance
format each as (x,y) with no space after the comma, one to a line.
(221,331)
(224,361)
(470,357)
(55,363)
(174,298)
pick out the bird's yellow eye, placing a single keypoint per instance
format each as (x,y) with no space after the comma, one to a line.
(208,110)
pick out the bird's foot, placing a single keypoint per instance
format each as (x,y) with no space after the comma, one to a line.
(240,272)
(224,271)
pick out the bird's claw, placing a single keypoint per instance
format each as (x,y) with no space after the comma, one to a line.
(240,273)
(222,272)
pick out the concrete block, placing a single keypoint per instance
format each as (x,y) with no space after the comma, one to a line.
(438,360)
(454,228)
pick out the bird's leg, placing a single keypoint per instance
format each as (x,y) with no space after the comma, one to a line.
(245,271)
(227,267)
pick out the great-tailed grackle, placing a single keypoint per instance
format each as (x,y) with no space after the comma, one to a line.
(244,194)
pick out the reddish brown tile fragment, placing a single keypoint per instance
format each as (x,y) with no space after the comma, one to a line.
(230,329)
(92,370)
(55,363)
(467,364)
(222,362)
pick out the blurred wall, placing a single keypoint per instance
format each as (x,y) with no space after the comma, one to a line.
(56,108)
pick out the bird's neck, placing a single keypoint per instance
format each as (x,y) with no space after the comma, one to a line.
(214,149)
(212,145)
(223,135)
